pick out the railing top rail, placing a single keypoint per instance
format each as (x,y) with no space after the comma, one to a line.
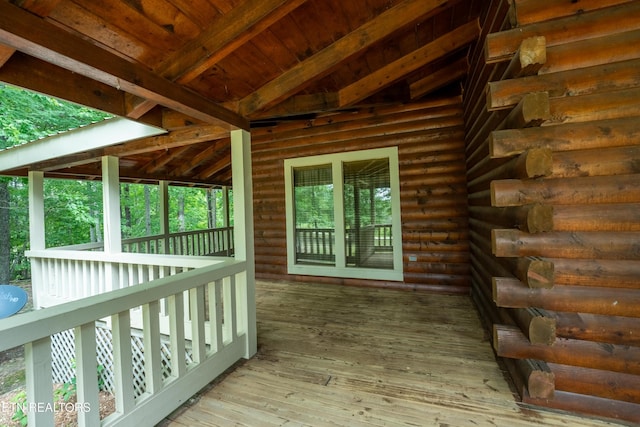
(127,258)
(38,324)
(98,245)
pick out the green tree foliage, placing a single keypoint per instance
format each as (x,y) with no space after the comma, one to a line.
(73,209)
(26,116)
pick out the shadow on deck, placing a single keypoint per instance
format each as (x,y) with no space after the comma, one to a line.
(331,355)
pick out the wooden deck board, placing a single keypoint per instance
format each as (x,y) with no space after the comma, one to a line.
(338,356)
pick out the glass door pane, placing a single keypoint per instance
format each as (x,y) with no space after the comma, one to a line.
(314,217)
(367,208)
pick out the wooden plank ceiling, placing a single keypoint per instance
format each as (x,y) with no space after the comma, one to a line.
(199,68)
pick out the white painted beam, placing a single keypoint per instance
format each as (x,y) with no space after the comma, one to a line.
(98,135)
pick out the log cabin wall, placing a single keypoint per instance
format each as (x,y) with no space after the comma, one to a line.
(552,117)
(430,140)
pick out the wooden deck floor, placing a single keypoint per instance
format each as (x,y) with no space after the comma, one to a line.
(336,356)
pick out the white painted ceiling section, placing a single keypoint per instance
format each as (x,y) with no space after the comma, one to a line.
(98,135)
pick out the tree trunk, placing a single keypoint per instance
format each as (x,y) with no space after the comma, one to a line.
(181,219)
(147,210)
(128,224)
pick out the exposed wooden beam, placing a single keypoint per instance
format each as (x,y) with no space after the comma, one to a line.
(302,104)
(235,28)
(321,64)
(28,72)
(178,138)
(400,68)
(27,33)
(224,36)
(203,155)
(162,160)
(215,168)
(439,78)
(40,8)
(5,54)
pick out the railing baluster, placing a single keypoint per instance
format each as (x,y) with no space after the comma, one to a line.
(151,340)
(215,315)
(86,375)
(176,335)
(37,361)
(122,367)
(198,345)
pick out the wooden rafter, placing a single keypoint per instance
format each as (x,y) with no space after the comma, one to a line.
(203,155)
(400,68)
(32,73)
(178,138)
(440,78)
(166,157)
(234,29)
(25,32)
(320,64)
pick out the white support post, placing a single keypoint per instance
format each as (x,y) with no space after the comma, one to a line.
(243,231)
(163,195)
(111,216)
(111,204)
(36,231)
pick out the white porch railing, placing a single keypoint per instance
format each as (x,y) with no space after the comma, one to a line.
(216,291)
(61,275)
(210,241)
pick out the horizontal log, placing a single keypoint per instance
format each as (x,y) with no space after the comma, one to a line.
(581,81)
(534,272)
(602,50)
(599,328)
(529,218)
(575,299)
(567,191)
(625,17)
(480,198)
(595,106)
(623,132)
(532,11)
(585,245)
(533,163)
(607,384)
(613,273)
(455,269)
(589,405)
(604,161)
(530,57)
(532,110)
(510,342)
(539,378)
(538,325)
(597,217)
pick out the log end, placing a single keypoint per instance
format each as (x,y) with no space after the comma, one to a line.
(539,219)
(541,274)
(539,162)
(541,384)
(542,330)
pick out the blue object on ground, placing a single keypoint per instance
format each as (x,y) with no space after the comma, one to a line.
(12,299)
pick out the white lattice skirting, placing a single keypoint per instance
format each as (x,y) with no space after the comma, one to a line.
(63,358)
